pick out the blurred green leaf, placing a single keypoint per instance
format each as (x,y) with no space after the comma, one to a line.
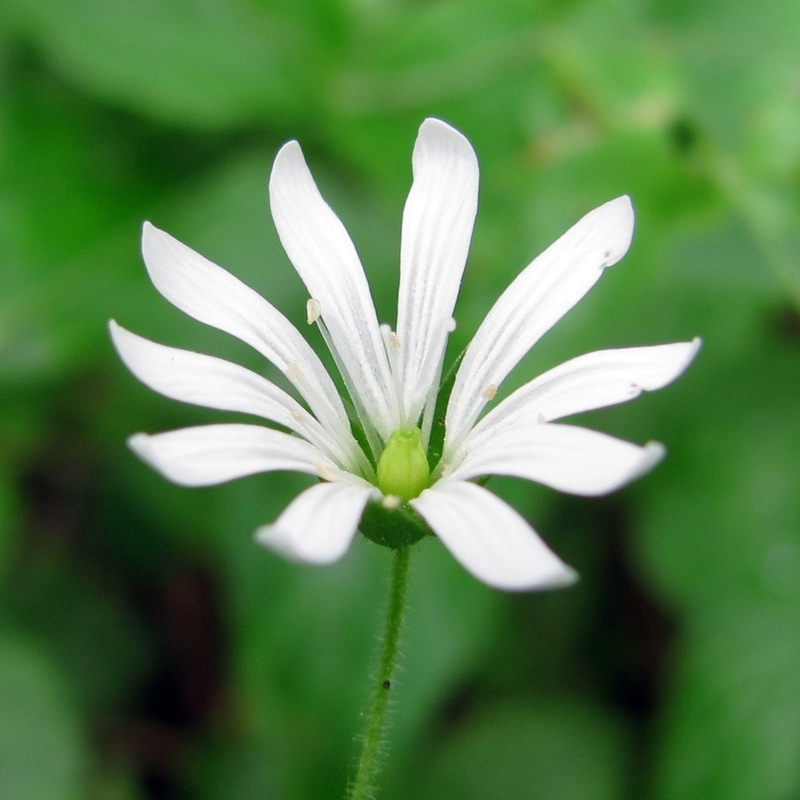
(208,63)
(8,516)
(99,644)
(732,729)
(41,749)
(530,750)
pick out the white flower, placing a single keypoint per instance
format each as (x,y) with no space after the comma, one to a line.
(393,377)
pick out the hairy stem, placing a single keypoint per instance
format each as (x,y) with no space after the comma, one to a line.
(369,763)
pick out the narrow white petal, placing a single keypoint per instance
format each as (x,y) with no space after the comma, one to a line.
(564,457)
(211,295)
(319,524)
(324,256)
(437,227)
(540,295)
(212,454)
(489,539)
(595,380)
(214,383)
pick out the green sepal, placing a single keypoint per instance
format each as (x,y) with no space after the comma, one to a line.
(392,527)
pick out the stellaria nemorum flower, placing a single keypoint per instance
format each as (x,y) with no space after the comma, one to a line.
(396,453)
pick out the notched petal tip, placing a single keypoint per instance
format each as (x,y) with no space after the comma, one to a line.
(119,337)
(569,577)
(292,146)
(685,353)
(142,445)
(273,538)
(562,576)
(150,233)
(438,134)
(618,218)
(490,539)
(318,526)
(653,453)
(431,125)
(288,158)
(139,443)
(625,206)
(155,246)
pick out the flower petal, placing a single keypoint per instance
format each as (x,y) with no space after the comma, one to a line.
(540,295)
(214,383)
(319,524)
(564,457)
(212,454)
(489,539)
(437,227)
(324,256)
(595,380)
(211,295)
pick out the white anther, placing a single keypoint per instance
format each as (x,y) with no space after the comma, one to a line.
(324,471)
(293,372)
(447,469)
(451,324)
(299,418)
(391,501)
(490,392)
(313,310)
(394,340)
(541,419)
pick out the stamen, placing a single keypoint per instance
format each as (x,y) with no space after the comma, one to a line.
(313,310)
(324,471)
(424,402)
(333,436)
(391,501)
(293,372)
(391,343)
(366,422)
(541,419)
(488,394)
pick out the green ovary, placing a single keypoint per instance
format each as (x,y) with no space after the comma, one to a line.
(403,467)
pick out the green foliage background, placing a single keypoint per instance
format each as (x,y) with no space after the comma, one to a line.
(148,649)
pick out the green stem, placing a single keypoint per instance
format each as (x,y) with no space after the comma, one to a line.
(363,787)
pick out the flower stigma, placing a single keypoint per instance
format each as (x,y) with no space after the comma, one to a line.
(403,469)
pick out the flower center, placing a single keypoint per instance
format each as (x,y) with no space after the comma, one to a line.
(403,466)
